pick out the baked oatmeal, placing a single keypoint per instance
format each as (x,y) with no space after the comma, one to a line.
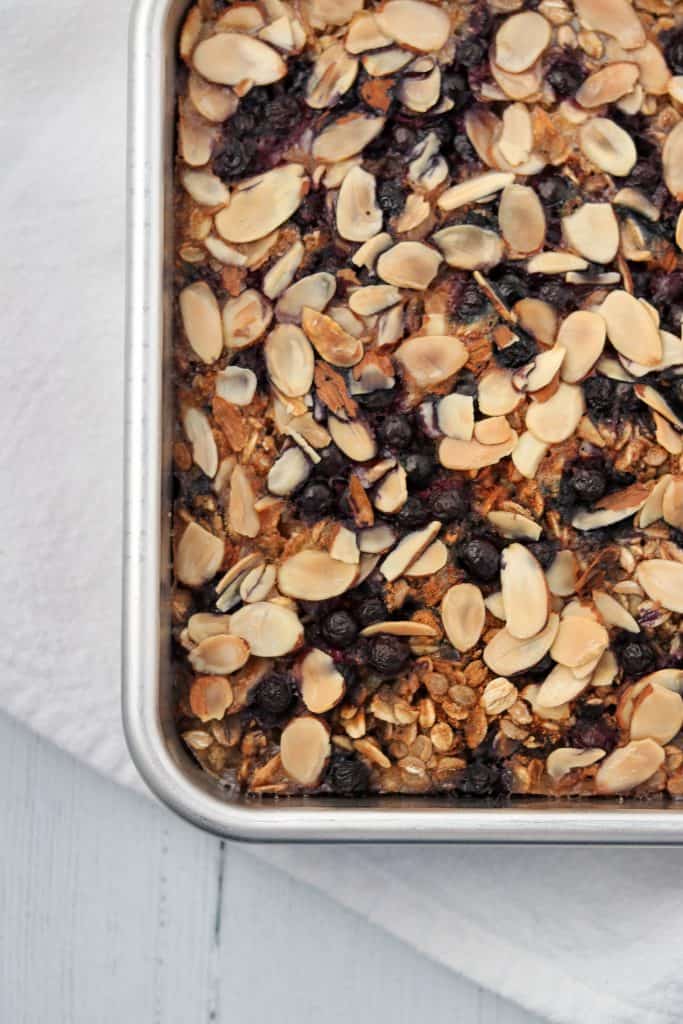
(428,523)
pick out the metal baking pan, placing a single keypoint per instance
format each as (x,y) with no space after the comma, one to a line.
(147,688)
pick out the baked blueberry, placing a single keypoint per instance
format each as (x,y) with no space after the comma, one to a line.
(340,629)
(372,609)
(588,483)
(481,558)
(413,514)
(448,505)
(389,654)
(635,656)
(518,353)
(316,500)
(544,551)
(419,467)
(274,695)
(600,394)
(348,776)
(396,432)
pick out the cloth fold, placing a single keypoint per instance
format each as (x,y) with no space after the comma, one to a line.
(574,934)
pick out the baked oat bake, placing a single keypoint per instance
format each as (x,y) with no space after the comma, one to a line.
(428,527)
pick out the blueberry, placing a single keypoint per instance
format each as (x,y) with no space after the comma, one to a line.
(375,401)
(340,629)
(274,695)
(481,558)
(413,514)
(518,353)
(282,114)
(588,484)
(469,304)
(348,776)
(484,779)
(565,74)
(448,505)
(471,51)
(554,190)
(372,609)
(511,287)
(396,432)
(419,467)
(316,500)
(544,551)
(600,393)
(391,197)
(591,732)
(233,160)
(311,212)
(636,657)
(389,654)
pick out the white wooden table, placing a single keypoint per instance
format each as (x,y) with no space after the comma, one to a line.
(113,911)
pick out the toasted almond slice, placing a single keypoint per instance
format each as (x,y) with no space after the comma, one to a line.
(346,137)
(414,24)
(408,550)
(629,766)
(385,62)
(375,540)
(579,641)
(415,212)
(521,218)
(559,714)
(557,419)
(496,394)
(373,299)
(525,85)
(560,686)
(473,189)
(344,546)
(604,517)
(464,455)
(213,102)
(672,355)
(198,430)
(196,137)
(653,508)
(563,760)
(315,576)
(330,340)
(521,40)
(259,205)
(290,360)
(364,34)
(198,556)
(225,253)
(409,265)
(201,320)
(493,430)
(258,584)
(354,438)
(606,670)
(304,750)
(608,146)
(210,696)
(662,581)
(334,72)
(420,93)
(672,503)
(219,655)
(313,291)
(494,604)
(654,400)
(537,317)
(394,627)
(592,231)
(540,372)
(205,188)
(368,253)
(246,319)
(672,159)
(654,73)
(322,684)
(279,33)
(469,247)
(463,614)
(630,328)
(525,592)
(236,384)
(634,199)
(507,655)
(433,559)
(608,84)
(237,572)
(517,138)
(392,493)
(455,416)
(514,525)
(358,215)
(205,624)
(190,32)
(333,12)
(657,715)
(528,454)
(241,18)
(282,272)
(555,263)
(613,613)
(430,359)
(242,515)
(229,58)
(669,678)
(288,472)
(667,436)
(616,18)
(583,336)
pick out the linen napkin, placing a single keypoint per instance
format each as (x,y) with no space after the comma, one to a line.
(576,935)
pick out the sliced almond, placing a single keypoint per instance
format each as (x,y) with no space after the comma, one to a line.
(315,576)
(392,493)
(647,394)
(196,137)
(304,750)
(629,766)
(563,760)
(463,614)
(358,215)
(290,360)
(429,360)
(334,72)
(431,561)
(474,189)
(514,525)
(526,85)
(493,430)
(525,592)
(190,32)
(236,384)
(415,212)
(455,416)
(427,170)
(211,696)
(366,255)
(408,550)
(198,556)
(672,159)
(669,439)
(608,146)
(583,336)
(313,292)
(579,641)
(506,655)
(375,540)
(657,715)
(634,199)
(246,319)
(409,265)
(344,546)
(669,678)
(672,355)
(346,137)
(200,435)
(528,454)
(613,613)
(385,62)
(279,34)
(258,584)
(241,18)
(653,509)
(420,92)
(469,247)
(288,472)
(333,12)
(282,272)
(537,317)
(225,253)
(559,687)
(494,604)
(672,503)
(213,102)
(602,517)
(616,18)
(364,34)
(540,372)
(517,138)
(205,188)
(563,574)
(521,218)
(354,438)
(397,627)
(322,684)
(555,263)
(259,205)
(202,625)
(414,24)
(654,73)
(521,40)
(496,394)
(557,419)
(330,340)
(201,320)
(229,58)
(608,84)
(472,455)
(592,231)
(219,655)
(662,581)
(373,299)
(630,328)
(242,515)
(606,670)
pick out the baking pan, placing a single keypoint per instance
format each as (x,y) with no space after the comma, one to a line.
(147,678)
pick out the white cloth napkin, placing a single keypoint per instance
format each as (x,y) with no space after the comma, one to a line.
(577,935)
